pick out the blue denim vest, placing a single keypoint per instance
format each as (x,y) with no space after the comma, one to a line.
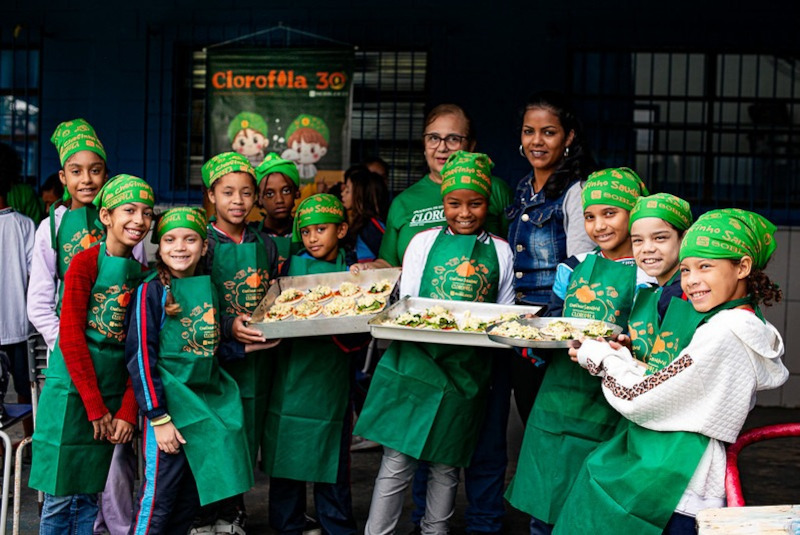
(538,240)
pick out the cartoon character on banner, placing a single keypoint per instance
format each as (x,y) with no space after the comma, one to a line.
(248,136)
(307,139)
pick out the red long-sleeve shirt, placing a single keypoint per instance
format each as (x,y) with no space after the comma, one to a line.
(78,283)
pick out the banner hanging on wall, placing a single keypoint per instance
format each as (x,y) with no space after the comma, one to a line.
(295,102)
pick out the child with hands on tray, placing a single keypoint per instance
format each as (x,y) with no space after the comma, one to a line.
(426,401)
(87,405)
(241,261)
(703,371)
(570,416)
(307,434)
(194,445)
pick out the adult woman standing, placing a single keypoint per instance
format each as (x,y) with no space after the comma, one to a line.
(546,214)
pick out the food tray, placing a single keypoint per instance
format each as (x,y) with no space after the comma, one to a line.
(486,311)
(320,325)
(542,322)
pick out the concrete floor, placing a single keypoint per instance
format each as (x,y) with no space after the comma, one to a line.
(770,473)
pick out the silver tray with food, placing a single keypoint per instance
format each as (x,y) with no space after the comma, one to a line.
(463,323)
(550,333)
(324,304)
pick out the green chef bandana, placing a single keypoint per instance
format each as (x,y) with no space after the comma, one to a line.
(244,120)
(123,189)
(275,164)
(467,170)
(669,208)
(616,186)
(730,233)
(184,217)
(309,121)
(74,136)
(316,210)
(223,164)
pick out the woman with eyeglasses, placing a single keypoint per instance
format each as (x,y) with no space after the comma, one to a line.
(546,214)
(417,208)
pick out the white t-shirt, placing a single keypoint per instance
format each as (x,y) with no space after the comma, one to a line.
(16,243)
(417,255)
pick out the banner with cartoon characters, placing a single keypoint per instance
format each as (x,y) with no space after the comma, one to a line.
(295,102)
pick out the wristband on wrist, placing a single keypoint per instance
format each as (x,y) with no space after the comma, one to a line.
(161,420)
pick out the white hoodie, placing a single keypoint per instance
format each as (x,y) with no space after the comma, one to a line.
(708,389)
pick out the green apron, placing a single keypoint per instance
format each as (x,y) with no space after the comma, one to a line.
(570,415)
(634,481)
(66,457)
(79,229)
(310,396)
(202,399)
(427,400)
(240,273)
(282,243)
(644,324)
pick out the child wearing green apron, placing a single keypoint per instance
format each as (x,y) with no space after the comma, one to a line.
(278,187)
(426,401)
(194,446)
(307,434)
(681,408)
(570,416)
(87,405)
(241,262)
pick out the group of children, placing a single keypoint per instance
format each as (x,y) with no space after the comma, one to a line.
(633,441)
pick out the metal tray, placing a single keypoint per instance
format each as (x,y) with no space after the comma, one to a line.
(320,325)
(546,344)
(487,311)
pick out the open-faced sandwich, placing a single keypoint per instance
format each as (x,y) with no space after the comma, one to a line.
(408,319)
(278,312)
(470,323)
(339,306)
(307,310)
(349,289)
(319,293)
(369,304)
(289,296)
(381,288)
(438,317)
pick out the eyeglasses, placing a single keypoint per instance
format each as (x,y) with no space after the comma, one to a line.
(451,141)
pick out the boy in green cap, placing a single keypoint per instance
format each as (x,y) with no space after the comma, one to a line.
(70,228)
(279,187)
(88,405)
(569,417)
(670,462)
(307,434)
(426,401)
(247,133)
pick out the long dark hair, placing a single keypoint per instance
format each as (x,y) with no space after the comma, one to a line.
(579,163)
(370,198)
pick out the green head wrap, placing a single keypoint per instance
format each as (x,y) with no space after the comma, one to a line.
(730,233)
(670,208)
(246,119)
(309,121)
(616,186)
(184,217)
(123,189)
(467,170)
(275,164)
(223,164)
(74,136)
(316,210)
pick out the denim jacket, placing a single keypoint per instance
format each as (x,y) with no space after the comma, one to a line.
(538,240)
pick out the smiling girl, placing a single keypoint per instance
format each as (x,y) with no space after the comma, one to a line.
(87,407)
(569,416)
(683,411)
(193,415)
(241,261)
